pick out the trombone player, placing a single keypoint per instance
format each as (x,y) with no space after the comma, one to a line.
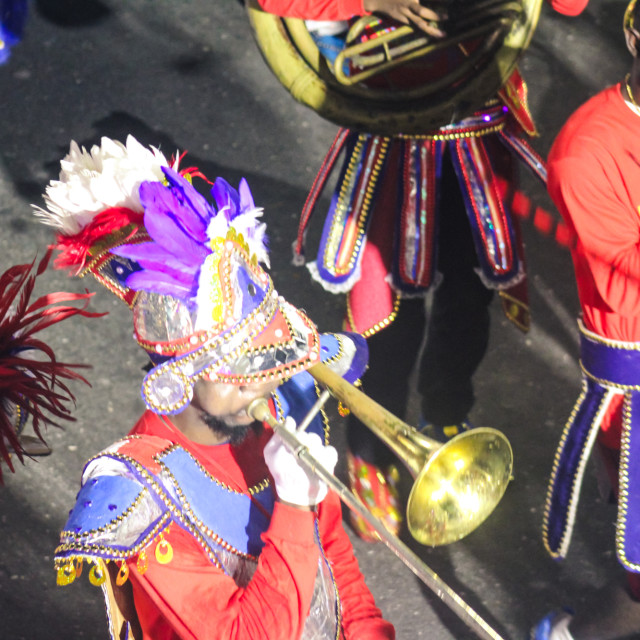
(188,527)
(418,215)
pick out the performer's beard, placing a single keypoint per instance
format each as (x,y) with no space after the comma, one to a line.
(232,434)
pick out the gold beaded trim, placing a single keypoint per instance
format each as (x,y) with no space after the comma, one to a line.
(116,522)
(326,425)
(175,366)
(85,550)
(554,473)
(65,566)
(623,488)
(378,326)
(117,239)
(263,484)
(205,336)
(611,344)
(337,226)
(186,508)
(286,371)
(340,353)
(457,134)
(172,512)
(577,478)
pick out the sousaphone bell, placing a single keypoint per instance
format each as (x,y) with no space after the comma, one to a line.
(393,79)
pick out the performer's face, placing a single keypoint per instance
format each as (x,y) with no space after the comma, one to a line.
(227,403)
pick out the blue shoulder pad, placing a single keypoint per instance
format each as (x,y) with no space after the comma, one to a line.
(346,353)
(102,501)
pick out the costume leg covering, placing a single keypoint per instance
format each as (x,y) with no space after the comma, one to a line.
(610,368)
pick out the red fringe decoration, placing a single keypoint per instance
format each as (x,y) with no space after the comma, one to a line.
(38,387)
(74,250)
(190,172)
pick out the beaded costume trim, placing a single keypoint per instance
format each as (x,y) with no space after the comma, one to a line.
(75,548)
(610,368)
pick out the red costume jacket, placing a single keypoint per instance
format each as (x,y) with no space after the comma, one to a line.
(594,180)
(208,552)
(191,598)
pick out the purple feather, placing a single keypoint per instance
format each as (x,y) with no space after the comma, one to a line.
(179,274)
(158,283)
(161,210)
(198,212)
(246,198)
(226,196)
(176,218)
(150,252)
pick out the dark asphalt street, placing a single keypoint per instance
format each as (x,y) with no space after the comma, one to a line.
(187,75)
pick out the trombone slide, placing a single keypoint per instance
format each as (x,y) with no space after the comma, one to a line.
(259,410)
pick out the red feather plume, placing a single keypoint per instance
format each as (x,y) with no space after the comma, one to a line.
(74,249)
(37,386)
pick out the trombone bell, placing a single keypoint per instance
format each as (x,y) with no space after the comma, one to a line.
(459,486)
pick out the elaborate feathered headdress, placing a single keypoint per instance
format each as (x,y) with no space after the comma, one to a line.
(32,381)
(202,304)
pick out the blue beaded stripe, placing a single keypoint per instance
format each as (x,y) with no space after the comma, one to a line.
(570,460)
(492,227)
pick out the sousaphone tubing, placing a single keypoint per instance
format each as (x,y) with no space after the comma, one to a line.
(394,79)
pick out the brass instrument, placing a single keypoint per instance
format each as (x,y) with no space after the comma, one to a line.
(401,81)
(458,484)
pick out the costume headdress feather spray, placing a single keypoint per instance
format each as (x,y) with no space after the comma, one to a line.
(33,383)
(96,198)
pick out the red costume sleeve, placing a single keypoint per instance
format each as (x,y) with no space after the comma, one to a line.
(190,598)
(607,259)
(345,9)
(361,619)
(569,7)
(314,9)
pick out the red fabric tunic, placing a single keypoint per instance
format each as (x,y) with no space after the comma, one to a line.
(191,598)
(594,180)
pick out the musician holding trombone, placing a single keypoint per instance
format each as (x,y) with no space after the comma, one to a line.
(189,528)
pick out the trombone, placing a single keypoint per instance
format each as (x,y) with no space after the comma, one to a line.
(457,484)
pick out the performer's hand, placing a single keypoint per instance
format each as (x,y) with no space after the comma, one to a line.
(409,12)
(293,484)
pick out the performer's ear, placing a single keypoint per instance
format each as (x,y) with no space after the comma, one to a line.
(632,38)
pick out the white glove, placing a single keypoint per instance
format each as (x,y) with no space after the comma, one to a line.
(293,484)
